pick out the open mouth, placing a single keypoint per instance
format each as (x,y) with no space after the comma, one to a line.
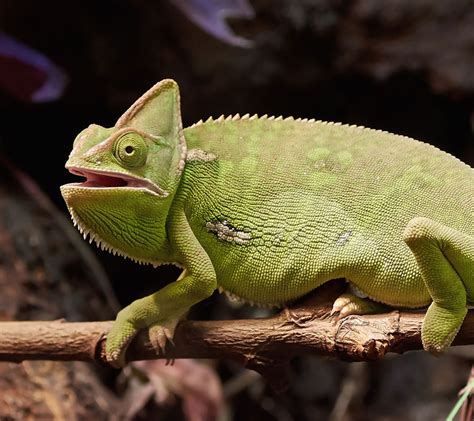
(105,179)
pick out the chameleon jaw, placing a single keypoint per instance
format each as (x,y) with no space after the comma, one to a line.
(103,184)
(109,179)
(90,236)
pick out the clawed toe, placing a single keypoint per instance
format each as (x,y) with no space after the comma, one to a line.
(159,336)
(339,308)
(162,333)
(349,304)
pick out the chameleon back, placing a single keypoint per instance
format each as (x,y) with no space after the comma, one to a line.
(298,191)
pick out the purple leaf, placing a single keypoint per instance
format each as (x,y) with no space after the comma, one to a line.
(27,74)
(210,16)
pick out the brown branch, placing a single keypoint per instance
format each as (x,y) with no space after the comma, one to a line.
(265,345)
(356,338)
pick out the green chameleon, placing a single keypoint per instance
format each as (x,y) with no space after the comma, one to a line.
(267,209)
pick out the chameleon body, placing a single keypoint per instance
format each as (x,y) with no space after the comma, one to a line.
(268,209)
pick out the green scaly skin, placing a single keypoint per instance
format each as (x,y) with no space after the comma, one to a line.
(269,209)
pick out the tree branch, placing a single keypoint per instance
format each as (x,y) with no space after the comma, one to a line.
(265,345)
(355,338)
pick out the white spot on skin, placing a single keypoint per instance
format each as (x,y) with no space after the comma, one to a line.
(200,155)
(343,238)
(228,233)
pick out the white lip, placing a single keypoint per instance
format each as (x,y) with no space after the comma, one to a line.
(110,179)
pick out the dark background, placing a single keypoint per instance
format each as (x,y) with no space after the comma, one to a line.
(402,66)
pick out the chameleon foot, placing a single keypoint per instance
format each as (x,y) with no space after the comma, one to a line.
(161,333)
(122,333)
(440,326)
(348,304)
(118,340)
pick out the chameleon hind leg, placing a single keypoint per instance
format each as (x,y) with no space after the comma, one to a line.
(445,258)
(352,302)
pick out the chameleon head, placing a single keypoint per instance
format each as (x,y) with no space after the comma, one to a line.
(132,171)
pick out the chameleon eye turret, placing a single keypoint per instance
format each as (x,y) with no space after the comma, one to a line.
(130,150)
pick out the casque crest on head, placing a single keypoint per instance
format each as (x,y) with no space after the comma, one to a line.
(163,100)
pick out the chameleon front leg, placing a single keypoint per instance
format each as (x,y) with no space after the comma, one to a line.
(445,258)
(161,311)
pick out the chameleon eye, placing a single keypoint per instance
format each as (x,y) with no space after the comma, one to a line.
(130,150)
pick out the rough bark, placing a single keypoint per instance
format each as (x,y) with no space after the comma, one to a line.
(260,344)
